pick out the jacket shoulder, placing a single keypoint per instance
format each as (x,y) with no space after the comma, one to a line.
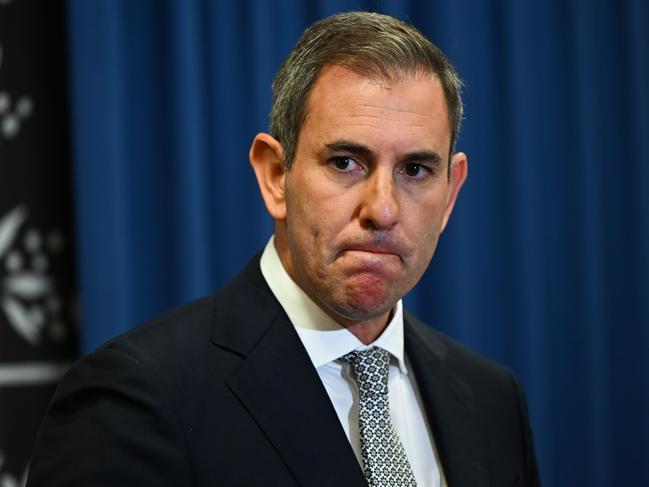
(456,356)
(182,334)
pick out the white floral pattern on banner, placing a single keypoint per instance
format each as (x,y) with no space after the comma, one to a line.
(32,309)
(28,293)
(12,117)
(13,113)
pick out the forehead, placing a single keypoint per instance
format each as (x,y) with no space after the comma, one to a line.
(344,102)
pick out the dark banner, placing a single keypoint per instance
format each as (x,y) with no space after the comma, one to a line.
(37,332)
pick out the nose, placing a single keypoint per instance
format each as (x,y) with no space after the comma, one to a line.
(379,208)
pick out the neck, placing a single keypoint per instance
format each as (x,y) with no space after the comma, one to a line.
(368,331)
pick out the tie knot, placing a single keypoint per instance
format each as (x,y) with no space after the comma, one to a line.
(371,369)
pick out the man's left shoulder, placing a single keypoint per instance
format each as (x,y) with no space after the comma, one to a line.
(452,355)
(472,400)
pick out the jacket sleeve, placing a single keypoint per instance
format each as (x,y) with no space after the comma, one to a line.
(111,422)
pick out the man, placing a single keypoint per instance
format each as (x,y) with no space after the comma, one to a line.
(305,370)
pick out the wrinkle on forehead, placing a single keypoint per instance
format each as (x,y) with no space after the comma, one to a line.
(344,100)
(419,120)
(341,73)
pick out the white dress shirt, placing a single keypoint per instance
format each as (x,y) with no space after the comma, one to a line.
(326,341)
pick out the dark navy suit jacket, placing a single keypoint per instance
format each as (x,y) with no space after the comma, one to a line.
(222,392)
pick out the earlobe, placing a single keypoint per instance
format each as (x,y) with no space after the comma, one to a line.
(267,160)
(458,174)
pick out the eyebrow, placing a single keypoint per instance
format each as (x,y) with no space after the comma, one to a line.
(431,157)
(348,146)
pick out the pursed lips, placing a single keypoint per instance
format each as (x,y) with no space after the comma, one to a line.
(378,251)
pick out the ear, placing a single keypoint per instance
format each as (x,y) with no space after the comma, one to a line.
(458,173)
(267,160)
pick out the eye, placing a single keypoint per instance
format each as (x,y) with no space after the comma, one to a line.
(415,171)
(344,164)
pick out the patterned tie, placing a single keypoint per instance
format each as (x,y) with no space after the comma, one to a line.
(384,459)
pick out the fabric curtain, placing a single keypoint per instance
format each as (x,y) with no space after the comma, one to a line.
(545,264)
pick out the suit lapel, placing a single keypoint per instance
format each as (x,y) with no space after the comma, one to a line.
(281,390)
(450,408)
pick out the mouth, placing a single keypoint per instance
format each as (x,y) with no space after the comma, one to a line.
(371,265)
(373,251)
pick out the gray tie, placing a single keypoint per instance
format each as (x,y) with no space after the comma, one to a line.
(384,459)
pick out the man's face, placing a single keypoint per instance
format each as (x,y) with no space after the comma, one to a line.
(368,193)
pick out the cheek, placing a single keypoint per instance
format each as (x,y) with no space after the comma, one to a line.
(305,227)
(424,216)
(423,228)
(314,217)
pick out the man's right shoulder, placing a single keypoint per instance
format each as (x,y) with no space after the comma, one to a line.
(185,329)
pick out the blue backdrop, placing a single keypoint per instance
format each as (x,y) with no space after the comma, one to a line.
(545,265)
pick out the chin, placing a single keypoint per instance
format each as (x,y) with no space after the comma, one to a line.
(364,307)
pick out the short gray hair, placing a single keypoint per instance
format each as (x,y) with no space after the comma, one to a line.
(371,44)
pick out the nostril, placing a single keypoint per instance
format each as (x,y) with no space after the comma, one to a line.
(370,224)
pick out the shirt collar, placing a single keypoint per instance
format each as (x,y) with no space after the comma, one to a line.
(324,338)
